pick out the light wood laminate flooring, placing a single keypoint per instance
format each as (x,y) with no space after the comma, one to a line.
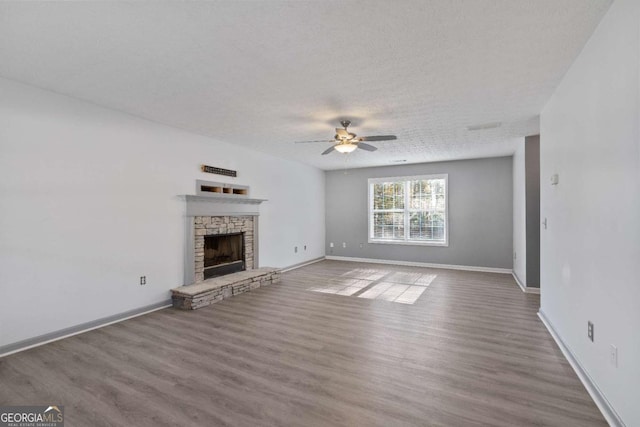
(470,351)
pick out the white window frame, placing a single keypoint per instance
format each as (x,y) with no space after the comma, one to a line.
(407,211)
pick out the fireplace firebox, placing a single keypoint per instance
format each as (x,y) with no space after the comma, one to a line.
(223,254)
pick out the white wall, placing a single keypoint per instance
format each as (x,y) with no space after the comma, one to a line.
(519,214)
(590,264)
(88,203)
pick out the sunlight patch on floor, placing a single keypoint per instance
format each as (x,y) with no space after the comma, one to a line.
(425,279)
(400,287)
(394,292)
(364,273)
(345,287)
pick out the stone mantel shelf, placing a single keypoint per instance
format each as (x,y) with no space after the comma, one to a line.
(227,198)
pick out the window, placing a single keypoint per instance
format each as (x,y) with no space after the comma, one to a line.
(409,210)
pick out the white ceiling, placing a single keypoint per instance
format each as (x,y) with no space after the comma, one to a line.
(263,74)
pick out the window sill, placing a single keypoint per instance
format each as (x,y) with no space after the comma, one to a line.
(408,242)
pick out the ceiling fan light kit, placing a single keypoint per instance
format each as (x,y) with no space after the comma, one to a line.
(345,148)
(346,142)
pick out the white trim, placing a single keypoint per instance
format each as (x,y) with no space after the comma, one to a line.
(525,289)
(596,394)
(407,242)
(409,177)
(422,264)
(82,331)
(302,264)
(407,211)
(515,276)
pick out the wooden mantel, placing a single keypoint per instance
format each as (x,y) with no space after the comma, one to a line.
(220,205)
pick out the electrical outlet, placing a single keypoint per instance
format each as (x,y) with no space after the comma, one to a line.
(344,244)
(590,330)
(613,355)
(143,280)
(331,244)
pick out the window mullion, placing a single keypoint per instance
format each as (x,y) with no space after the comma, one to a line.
(406,210)
(372,219)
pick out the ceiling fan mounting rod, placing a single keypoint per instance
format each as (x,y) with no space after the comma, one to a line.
(345,123)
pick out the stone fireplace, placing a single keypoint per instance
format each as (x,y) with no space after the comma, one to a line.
(230,218)
(222,245)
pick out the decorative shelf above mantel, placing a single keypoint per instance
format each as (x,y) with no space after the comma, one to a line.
(221,199)
(208,188)
(221,205)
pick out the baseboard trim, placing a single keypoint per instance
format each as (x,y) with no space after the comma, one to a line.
(23,345)
(525,289)
(422,264)
(302,264)
(596,394)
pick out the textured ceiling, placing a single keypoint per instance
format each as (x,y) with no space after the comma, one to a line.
(266,73)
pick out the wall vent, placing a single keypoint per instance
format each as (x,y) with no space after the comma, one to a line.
(218,171)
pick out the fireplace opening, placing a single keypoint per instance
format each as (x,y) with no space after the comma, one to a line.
(223,254)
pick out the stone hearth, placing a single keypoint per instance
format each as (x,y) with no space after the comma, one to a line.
(214,290)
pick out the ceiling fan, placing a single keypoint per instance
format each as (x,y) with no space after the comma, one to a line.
(346,142)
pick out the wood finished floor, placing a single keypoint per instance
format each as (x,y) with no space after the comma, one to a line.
(470,351)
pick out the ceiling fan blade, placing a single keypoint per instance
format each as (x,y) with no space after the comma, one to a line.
(379,138)
(318,140)
(343,133)
(328,150)
(366,147)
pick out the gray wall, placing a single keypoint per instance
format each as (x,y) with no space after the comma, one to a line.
(480,214)
(532,172)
